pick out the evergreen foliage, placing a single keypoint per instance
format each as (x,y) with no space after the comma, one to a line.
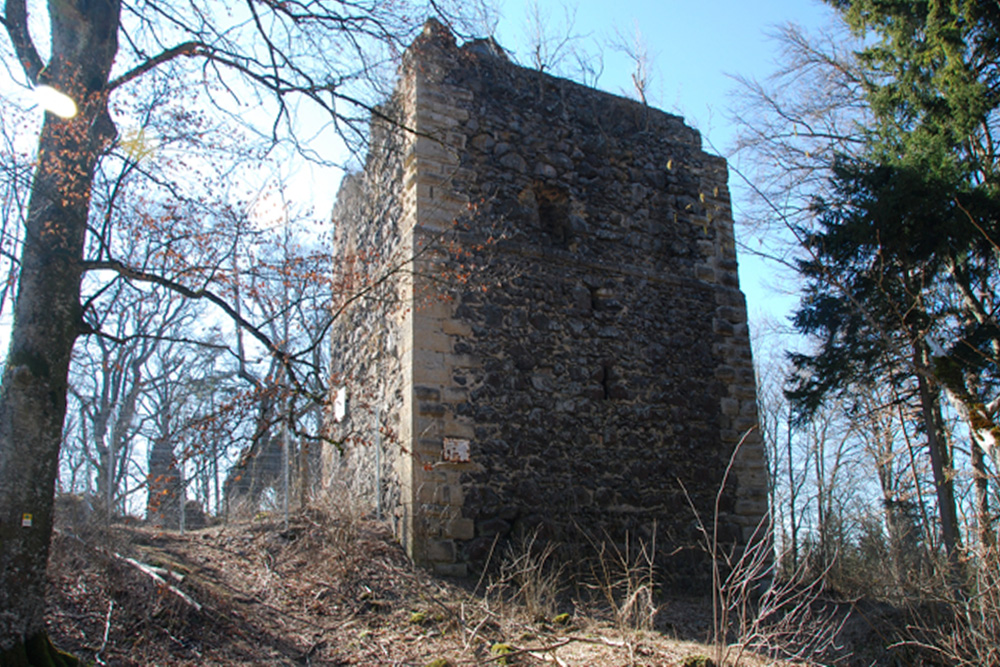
(905,251)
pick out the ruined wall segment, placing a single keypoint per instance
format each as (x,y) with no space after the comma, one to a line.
(602,354)
(373,324)
(392,347)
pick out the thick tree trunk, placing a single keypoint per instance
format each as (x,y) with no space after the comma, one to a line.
(47,317)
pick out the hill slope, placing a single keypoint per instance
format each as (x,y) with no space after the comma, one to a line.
(324,591)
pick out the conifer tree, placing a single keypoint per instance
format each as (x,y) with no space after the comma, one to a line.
(902,275)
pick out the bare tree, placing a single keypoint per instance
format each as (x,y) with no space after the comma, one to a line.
(636,49)
(324,53)
(549,46)
(790,126)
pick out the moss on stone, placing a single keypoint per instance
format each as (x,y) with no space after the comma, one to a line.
(697,660)
(501,651)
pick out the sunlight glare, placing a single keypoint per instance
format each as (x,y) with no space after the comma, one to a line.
(54,101)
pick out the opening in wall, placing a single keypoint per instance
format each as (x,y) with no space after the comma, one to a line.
(606,374)
(553,212)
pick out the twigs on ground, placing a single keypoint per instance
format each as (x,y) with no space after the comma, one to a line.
(157,574)
(107,631)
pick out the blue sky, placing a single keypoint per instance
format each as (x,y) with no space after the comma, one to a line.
(696,47)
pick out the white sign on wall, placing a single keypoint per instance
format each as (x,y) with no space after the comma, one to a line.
(340,405)
(456,450)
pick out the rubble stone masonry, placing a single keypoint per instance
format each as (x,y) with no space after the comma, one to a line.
(556,339)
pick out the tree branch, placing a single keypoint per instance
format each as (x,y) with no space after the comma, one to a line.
(207,295)
(192,48)
(15,21)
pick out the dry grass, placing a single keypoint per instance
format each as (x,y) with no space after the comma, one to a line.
(625,579)
(324,591)
(331,588)
(529,580)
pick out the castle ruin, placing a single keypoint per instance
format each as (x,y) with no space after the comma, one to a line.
(551,336)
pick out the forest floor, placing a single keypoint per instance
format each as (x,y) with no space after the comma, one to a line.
(320,591)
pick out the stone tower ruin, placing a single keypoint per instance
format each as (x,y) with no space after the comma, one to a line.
(547,331)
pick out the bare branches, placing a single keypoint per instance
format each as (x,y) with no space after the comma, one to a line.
(549,47)
(197,294)
(636,49)
(15,21)
(792,125)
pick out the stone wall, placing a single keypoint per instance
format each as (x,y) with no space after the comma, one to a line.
(375,299)
(597,364)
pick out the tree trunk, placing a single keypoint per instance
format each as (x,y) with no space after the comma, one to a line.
(941,464)
(984,518)
(47,316)
(792,496)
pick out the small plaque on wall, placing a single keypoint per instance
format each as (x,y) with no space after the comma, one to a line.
(456,450)
(340,405)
